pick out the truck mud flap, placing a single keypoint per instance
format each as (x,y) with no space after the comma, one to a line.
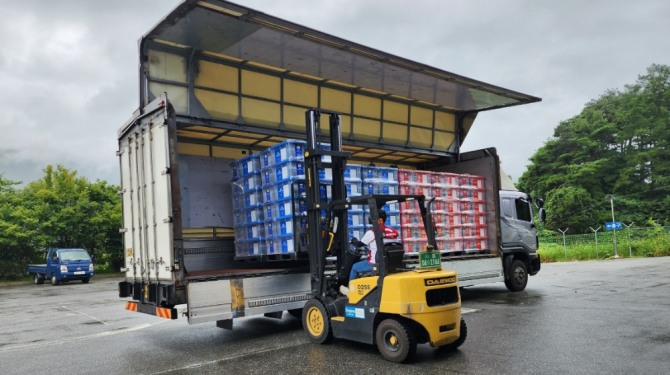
(161,312)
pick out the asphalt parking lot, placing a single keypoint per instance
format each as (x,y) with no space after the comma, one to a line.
(596,317)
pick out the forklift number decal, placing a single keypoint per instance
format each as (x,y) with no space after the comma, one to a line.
(354,312)
(363,289)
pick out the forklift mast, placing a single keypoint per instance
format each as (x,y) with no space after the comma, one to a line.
(329,237)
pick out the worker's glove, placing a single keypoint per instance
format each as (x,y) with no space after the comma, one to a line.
(357,247)
(357,243)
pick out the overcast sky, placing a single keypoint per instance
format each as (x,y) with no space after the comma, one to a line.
(68,68)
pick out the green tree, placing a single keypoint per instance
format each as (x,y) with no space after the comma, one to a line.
(69,211)
(619,145)
(570,207)
(16,233)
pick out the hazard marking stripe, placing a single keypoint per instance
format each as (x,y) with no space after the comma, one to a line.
(164,313)
(131,306)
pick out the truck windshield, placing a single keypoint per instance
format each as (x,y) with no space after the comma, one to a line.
(75,254)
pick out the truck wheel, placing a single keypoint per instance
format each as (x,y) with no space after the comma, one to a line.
(461,339)
(316,322)
(38,280)
(85,281)
(54,280)
(396,340)
(517,277)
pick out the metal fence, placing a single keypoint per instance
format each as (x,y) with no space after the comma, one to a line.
(626,239)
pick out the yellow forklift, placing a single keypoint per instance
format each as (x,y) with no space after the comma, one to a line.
(394,307)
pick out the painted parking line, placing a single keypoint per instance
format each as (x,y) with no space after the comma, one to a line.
(73,339)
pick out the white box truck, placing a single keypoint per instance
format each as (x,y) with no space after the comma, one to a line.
(219,82)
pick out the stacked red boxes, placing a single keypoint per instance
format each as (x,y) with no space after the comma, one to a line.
(472,198)
(412,230)
(459,211)
(447,211)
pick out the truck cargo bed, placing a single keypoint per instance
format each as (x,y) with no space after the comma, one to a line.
(231,273)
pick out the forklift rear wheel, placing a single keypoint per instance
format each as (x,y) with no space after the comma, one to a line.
(316,322)
(38,279)
(518,276)
(461,339)
(396,341)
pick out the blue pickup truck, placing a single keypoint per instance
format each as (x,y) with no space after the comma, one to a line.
(63,265)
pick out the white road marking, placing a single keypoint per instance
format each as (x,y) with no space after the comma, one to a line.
(86,315)
(465,310)
(73,339)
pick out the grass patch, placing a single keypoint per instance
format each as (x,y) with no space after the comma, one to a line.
(655,246)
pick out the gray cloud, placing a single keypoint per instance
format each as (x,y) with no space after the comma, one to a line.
(68,69)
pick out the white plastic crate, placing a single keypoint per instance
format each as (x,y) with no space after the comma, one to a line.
(247,248)
(352,173)
(283,172)
(280,245)
(283,190)
(290,150)
(354,188)
(248,165)
(383,188)
(355,218)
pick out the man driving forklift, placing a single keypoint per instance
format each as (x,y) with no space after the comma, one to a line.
(367,265)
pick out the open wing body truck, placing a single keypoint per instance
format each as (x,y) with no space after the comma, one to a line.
(220,83)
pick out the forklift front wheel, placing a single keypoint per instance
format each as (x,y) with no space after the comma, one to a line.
(316,322)
(396,341)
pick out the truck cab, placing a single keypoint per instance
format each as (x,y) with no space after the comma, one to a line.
(63,265)
(519,238)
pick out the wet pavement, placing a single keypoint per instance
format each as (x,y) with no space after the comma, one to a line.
(596,317)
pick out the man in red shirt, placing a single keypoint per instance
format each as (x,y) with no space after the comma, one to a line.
(368,239)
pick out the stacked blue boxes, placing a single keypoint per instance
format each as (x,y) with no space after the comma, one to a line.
(354,187)
(248,214)
(381,180)
(283,174)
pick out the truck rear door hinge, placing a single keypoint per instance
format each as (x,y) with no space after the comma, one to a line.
(168,220)
(165,171)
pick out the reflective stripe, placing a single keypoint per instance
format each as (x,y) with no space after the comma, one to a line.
(163,312)
(131,306)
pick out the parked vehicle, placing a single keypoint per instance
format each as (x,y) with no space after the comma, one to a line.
(220,84)
(63,265)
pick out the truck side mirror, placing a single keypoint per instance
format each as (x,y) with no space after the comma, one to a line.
(539,203)
(543,215)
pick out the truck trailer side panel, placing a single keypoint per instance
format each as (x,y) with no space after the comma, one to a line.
(238,297)
(146,196)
